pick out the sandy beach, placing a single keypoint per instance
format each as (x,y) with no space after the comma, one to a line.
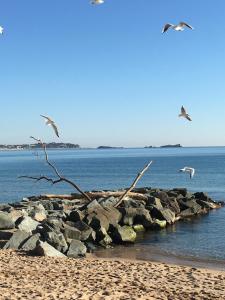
(26,277)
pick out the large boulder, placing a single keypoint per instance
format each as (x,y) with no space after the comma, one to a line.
(44,249)
(154,201)
(110,201)
(123,234)
(196,208)
(182,191)
(38,213)
(163,214)
(76,215)
(87,233)
(133,216)
(6,222)
(57,240)
(31,243)
(76,249)
(71,233)
(27,224)
(17,240)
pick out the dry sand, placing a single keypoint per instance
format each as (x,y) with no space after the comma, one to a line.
(23,277)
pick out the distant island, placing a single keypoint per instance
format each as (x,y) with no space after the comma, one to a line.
(171,146)
(164,146)
(38,146)
(109,147)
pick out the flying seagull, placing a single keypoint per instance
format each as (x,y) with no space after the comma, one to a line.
(179,27)
(1,30)
(50,122)
(184,114)
(189,170)
(97,2)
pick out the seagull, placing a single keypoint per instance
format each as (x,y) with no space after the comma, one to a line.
(184,114)
(50,122)
(189,170)
(97,2)
(179,27)
(1,30)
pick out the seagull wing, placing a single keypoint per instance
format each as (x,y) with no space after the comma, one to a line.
(47,118)
(185,24)
(188,118)
(166,27)
(192,172)
(183,111)
(55,129)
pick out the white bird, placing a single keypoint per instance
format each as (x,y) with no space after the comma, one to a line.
(50,122)
(184,114)
(1,30)
(189,170)
(179,27)
(97,2)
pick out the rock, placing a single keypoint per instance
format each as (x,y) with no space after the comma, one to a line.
(76,215)
(71,232)
(163,214)
(31,243)
(6,234)
(196,208)
(48,205)
(207,205)
(44,249)
(138,228)
(57,240)
(16,214)
(86,231)
(154,201)
(182,191)
(122,234)
(106,241)
(38,213)
(111,201)
(17,240)
(187,213)
(6,221)
(136,216)
(5,207)
(201,196)
(27,224)
(129,202)
(159,223)
(76,249)
(90,247)
(55,224)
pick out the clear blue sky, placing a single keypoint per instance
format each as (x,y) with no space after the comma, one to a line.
(108,76)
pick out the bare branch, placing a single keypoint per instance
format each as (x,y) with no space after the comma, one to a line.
(138,177)
(61,179)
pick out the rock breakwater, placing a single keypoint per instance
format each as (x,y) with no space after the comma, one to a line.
(69,226)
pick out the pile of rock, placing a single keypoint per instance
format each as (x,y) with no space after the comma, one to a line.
(62,227)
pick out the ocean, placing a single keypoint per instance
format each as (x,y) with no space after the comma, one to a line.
(203,238)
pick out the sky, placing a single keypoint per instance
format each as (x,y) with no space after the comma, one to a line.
(108,76)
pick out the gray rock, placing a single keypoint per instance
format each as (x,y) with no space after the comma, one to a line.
(6,234)
(57,240)
(76,215)
(17,240)
(76,249)
(196,208)
(136,216)
(71,233)
(163,214)
(16,214)
(111,201)
(6,221)
(182,191)
(123,234)
(207,204)
(31,243)
(106,241)
(154,201)
(86,231)
(129,202)
(44,249)
(27,224)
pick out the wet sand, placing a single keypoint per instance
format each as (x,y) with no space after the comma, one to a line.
(24,277)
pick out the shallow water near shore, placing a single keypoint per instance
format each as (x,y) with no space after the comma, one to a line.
(202,239)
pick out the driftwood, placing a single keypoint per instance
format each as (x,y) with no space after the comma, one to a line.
(137,196)
(96,195)
(138,177)
(60,178)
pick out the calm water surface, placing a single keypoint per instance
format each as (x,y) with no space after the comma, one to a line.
(203,238)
